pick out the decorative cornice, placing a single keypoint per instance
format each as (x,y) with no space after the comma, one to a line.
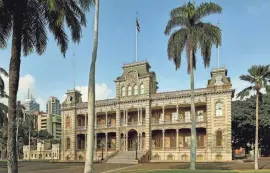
(153,97)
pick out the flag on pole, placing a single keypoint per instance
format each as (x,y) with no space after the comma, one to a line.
(138,25)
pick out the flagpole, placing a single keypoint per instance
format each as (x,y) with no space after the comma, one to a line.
(136,38)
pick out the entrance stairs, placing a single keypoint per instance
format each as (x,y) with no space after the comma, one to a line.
(125,157)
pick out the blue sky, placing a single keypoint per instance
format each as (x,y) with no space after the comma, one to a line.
(245,27)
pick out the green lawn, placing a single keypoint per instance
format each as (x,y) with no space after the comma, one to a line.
(197,171)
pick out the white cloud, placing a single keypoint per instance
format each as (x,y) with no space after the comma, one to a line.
(102,92)
(26,82)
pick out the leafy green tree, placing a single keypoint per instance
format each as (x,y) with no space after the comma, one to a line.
(243,123)
(26,21)
(259,78)
(89,159)
(193,34)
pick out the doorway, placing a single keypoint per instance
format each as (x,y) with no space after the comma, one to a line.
(132,140)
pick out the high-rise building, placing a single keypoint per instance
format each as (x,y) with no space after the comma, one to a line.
(51,123)
(30,104)
(53,106)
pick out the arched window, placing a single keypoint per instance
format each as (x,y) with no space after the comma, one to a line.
(136,90)
(67,122)
(68,143)
(219,138)
(123,91)
(129,90)
(142,88)
(219,111)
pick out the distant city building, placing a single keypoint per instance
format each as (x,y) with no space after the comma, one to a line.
(30,104)
(53,106)
(51,123)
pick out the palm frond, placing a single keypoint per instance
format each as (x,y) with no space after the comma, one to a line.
(205,9)
(179,11)
(247,78)
(206,47)
(58,31)
(73,23)
(176,45)
(176,22)
(5,26)
(86,4)
(244,93)
(3,72)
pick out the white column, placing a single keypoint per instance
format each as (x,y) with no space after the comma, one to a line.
(126,142)
(106,121)
(85,141)
(177,112)
(138,142)
(177,139)
(163,114)
(126,116)
(141,141)
(85,121)
(141,115)
(95,141)
(163,139)
(106,141)
(138,121)
(124,138)
(96,120)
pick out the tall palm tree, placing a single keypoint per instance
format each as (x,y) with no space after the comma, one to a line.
(259,78)
(2,84)
(89,166)
(193,34)
(26,21)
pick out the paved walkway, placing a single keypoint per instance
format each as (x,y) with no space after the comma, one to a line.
(46,167)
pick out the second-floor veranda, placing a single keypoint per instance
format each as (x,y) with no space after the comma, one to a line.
(160,115)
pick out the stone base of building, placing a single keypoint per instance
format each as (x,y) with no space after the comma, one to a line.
(184,156)
(80,156)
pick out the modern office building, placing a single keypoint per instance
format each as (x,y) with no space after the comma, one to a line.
(30,104)
(157,124)
(51,123)
(53,106)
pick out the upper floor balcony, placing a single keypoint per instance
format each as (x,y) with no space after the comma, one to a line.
(172,115)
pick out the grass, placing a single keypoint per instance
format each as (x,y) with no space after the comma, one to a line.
(197,171)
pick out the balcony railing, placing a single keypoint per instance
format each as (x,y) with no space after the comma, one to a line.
(81,127)
(99,126)
(132,123)
(179,121)
(175,148)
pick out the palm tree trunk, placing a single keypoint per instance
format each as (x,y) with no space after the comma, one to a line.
(257,131)
(193,116)
(14,75)
(89,164)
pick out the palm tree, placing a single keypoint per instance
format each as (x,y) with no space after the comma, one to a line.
(259,78)
(2,84)
(193,34)
(89,167)
(25,21)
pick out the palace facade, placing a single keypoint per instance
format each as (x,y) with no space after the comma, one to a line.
(157,123)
